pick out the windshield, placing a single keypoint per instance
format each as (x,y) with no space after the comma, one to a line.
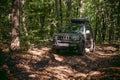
(72,28)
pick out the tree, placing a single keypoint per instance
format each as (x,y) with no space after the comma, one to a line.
(80,8)
(57,15)
(69,9)
(15,33)
(23,17)
(60,12)
(104,16)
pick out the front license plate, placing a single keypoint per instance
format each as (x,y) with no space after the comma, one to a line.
(62,44)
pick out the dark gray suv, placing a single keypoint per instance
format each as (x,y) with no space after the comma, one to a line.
(76,35)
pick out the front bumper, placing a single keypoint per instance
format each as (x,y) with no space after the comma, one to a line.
(64,45)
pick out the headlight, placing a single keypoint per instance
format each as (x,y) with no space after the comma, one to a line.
(55,37)
(75,37)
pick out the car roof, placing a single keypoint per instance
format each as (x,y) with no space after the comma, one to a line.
(79,20)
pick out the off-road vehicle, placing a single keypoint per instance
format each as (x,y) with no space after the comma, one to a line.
(77,35)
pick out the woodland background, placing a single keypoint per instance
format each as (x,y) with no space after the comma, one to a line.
(26,26)
(33,22)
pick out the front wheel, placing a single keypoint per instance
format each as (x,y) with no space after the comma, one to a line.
(81,48)
(57,51)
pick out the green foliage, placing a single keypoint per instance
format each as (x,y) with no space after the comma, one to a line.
(5,22)
(104,16)
(41,20)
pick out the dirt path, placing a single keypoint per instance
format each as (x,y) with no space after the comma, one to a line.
(44,64)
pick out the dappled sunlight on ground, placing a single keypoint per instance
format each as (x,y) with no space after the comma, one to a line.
(107,49)
(45,64)
(39,52)
(60,72)
(58,57)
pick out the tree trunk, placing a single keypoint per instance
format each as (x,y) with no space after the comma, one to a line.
(103,28)
(60,12)
(111,27)
(69,8)
(96,28)
(23,17)
(80,8)
(57,15)
(51,28)
(15,42)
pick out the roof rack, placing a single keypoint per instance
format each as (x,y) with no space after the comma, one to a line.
(79,20)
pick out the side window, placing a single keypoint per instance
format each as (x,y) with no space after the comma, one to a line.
(76,29)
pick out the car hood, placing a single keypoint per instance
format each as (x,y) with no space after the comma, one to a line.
(68,34)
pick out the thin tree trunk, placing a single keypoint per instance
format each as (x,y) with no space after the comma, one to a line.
(69,8)
(60,12)
(51,28)
(118,24)
(96,28)
(57,15)
(111,27)
(80,9)
(103,28)
(23,17)
(15,43)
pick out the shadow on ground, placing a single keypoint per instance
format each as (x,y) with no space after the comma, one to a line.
(45,64)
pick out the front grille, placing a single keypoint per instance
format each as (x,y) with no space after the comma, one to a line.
(63,37)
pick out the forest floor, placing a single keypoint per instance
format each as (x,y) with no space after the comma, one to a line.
(45,64)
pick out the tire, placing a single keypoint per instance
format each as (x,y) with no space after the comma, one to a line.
(81,48)
(57,51)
